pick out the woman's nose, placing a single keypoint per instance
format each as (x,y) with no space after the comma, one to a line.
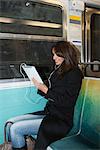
(54,57)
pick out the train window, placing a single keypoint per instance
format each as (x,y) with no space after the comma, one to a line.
(95,37)
(25,51)
(28,29)
(30,17)
(15,52)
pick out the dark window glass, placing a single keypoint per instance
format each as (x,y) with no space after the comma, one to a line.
(27,18)
(93,70)
(20,16)
(15,52)
(95,37)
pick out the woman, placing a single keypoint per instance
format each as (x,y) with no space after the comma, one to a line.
(56,120)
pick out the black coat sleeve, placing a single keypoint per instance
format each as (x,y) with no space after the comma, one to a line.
(68,90)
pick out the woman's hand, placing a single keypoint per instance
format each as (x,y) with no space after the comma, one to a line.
(42,87)
(36,83)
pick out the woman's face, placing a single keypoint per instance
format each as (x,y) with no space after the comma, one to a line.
(58,60)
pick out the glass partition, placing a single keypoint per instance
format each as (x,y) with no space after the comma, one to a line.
(92,40)
(95,37)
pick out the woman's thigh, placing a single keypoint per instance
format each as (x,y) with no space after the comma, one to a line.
(25,127)
(20,129)
(21,118)
(24,117)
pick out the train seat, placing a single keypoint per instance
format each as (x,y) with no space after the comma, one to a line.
(85,133)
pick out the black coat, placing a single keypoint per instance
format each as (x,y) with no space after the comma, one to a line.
(62,95)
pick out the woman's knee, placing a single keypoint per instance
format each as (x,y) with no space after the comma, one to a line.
(13,130)
(17,138)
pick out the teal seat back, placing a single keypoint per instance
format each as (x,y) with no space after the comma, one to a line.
(78,110)
(91,117)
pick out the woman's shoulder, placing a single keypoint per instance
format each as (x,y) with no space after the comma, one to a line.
(77,69)
(75,72)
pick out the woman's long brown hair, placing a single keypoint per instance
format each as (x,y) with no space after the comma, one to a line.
(70,54)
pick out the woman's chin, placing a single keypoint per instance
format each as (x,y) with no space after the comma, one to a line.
(57,64)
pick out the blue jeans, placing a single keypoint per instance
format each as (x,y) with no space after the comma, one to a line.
(23,125)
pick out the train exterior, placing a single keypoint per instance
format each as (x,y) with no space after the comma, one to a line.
(28,29)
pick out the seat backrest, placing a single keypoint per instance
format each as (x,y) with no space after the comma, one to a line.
(90,128)
(78,111)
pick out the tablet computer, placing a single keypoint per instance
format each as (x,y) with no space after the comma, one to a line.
(32,73)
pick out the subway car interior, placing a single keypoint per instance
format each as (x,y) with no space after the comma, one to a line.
(28,29)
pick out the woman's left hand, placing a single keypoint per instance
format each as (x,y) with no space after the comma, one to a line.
(42,87)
